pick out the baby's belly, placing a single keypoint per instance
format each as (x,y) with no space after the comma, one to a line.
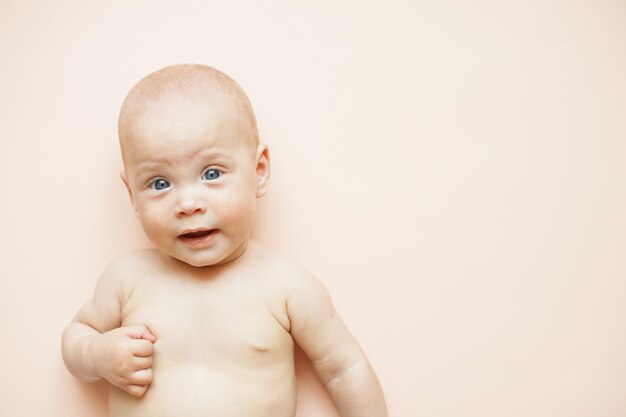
(199,390)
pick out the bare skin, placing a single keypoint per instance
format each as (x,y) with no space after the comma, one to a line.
(205,324)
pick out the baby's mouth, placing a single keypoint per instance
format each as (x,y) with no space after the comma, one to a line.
(198,234)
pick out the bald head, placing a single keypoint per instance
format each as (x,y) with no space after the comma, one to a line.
(199,83)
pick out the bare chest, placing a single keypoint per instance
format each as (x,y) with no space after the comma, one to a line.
(223,324)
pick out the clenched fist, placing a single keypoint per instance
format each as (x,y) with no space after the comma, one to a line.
(123,357)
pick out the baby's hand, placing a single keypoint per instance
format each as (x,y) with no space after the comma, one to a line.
(123,357)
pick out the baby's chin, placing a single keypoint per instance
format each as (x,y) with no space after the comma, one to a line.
(196,262)
(204,260)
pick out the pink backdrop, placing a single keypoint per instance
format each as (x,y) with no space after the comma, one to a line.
(455,174)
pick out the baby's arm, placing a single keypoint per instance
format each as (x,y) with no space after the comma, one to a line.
(95,346)
(335,354)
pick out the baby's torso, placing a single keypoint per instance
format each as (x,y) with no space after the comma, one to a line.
(223,346)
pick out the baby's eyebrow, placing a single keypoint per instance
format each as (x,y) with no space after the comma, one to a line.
(144,171)
(212,153)
(149,166)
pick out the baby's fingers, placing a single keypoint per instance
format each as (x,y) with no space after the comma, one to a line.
(139,332)
(141,377)
(136,390)
(142,348)
(142,363)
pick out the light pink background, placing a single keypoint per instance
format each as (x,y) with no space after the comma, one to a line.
(455,174)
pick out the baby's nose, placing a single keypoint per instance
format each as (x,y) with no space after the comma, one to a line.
(190,204)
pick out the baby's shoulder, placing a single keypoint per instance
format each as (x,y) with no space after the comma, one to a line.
(122,269)
(287,273)
(275,264)
(131,261)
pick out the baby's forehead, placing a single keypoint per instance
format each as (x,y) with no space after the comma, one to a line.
(193,98)
(191,81)
(187,105)
(193,88)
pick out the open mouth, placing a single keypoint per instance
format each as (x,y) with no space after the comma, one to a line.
(198,238)
(196,234)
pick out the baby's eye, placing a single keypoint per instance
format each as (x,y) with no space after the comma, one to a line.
(159,184)
(211,174)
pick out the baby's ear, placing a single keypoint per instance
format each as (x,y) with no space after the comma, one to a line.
(262,170)
(130,193)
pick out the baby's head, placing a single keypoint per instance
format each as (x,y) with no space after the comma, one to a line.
(193,165)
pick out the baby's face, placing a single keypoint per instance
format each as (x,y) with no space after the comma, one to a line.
(194,172)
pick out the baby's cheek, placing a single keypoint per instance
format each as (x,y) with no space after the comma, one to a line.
(238,211)
(154,223)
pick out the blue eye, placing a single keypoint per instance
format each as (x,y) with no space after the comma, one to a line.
(211,174)
(159,184)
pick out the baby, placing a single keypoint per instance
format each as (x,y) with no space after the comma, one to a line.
(205,324)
